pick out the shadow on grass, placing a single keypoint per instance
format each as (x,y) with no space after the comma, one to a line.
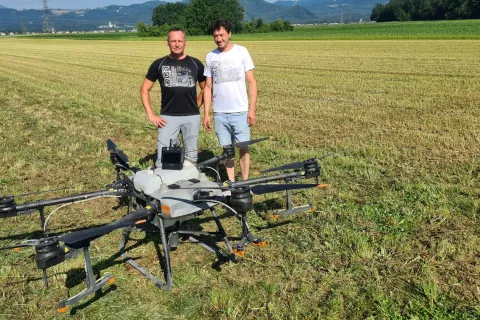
(96,296)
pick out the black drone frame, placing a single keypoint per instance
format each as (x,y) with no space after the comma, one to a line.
(50,253)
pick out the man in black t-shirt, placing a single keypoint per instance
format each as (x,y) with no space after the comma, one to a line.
(177,74)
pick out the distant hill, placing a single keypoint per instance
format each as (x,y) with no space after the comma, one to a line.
(126,17)
(270,12)
(2,7)
(334,10)
(79,20)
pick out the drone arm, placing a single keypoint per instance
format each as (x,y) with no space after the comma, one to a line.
(228,152)
(212,161)
(11,209)
(82,238)
(253,181)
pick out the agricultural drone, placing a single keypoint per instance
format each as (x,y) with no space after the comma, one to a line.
(162,198)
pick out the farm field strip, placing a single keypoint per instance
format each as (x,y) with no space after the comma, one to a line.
(395,235)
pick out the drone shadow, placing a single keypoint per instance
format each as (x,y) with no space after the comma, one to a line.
(96,296)
(266,205)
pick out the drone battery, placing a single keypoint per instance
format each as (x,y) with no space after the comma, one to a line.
(172,158)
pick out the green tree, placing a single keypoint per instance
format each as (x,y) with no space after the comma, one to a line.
(277,26)
(287,26)
(248,27)
(400,10)
(472,9)
(377,12)
(154,31)
(200,14)
(142,29)
(259,24)
(170,13)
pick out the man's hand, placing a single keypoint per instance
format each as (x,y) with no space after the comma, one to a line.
(251,118)
(207,123)
(157,121)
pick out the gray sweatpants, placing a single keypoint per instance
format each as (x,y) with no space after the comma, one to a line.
(190,127)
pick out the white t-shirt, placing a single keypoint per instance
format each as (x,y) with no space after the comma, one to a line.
(227,70)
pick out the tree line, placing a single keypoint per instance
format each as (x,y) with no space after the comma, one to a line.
(415,10)
(197,16)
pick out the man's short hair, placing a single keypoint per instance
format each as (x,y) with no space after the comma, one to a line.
(173,29)
(217,24)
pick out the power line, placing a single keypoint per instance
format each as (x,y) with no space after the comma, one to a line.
(46,18)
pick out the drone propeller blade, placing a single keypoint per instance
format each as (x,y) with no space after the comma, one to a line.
(268,188)
(80,239)
(297,165)
(293,165)
(19,245)
(245,144)
(261,188)
(32,243)
(122,156)
(114,151)
(111,145)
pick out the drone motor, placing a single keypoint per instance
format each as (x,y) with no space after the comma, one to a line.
(49,255)
(7,207)
(312,170)
(241,199)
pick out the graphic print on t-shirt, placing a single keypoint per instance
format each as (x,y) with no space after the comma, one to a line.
(225,71)
(177,76)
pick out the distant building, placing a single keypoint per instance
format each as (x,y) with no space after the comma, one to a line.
(110,25)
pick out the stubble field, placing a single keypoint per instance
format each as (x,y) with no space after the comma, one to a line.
(396,235)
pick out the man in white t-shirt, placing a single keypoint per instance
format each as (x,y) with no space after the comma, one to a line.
(226,70)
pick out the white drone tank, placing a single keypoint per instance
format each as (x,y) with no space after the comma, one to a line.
(147,181)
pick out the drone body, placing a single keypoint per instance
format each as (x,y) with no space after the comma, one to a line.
(178,202)
(162,199)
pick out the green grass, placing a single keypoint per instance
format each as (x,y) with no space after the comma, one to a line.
(396,235)
(446,29)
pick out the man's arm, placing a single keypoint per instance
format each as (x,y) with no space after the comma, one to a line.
(207,99)
(252,93)
(200,94)
(145,95)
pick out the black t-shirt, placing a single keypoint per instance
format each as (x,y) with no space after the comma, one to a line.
(178,80)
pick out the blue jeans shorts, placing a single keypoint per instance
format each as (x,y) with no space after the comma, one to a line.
(231,127)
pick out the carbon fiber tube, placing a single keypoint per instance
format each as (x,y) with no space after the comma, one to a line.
(74,198)
(214,160)
(249,182)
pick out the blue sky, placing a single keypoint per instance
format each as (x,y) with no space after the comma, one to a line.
(70,4)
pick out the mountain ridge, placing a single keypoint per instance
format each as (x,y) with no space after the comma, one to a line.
(126,17)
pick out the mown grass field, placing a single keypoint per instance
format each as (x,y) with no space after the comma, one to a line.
(396,235)
(407,30)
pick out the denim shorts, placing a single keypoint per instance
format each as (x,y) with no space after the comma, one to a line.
(231,127)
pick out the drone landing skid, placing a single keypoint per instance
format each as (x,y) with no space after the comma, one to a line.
(167,283)
(170,240)
(290,209)
(92,284)
(247,238)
